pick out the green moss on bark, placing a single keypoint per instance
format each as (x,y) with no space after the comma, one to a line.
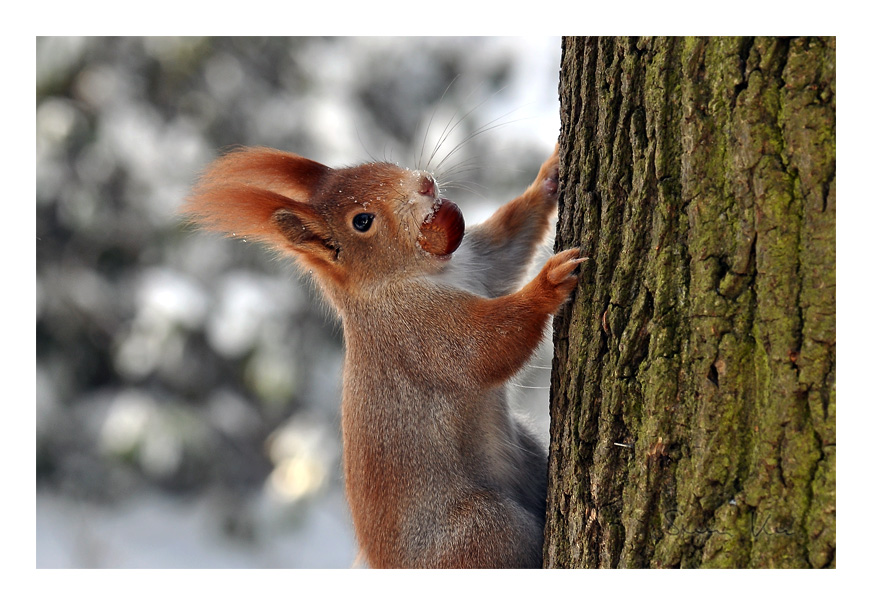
(693,397)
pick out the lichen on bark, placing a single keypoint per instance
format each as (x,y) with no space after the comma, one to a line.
(693,390)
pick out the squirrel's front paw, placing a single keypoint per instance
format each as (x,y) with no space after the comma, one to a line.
(548,178)
(558,274)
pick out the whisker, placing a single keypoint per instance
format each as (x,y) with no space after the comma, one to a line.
(449,128)
(480,193)
(430,123)
(461,184)
(388,158)
(467,165)
(466,184)
(493,124)
(362,144)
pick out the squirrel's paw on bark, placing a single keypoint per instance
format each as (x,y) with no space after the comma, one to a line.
(559,272)
(549,177)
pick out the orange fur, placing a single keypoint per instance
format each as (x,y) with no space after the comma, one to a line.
(240,192)
(438,472)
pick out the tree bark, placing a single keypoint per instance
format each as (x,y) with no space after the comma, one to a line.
(693,405)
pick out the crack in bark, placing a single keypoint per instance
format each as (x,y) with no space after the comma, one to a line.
(699,344)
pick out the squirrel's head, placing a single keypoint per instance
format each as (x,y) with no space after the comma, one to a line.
(352,227)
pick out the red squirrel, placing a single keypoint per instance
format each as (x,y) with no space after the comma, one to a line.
(438,472)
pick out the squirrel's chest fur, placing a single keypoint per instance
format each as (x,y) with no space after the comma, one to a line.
(420,435)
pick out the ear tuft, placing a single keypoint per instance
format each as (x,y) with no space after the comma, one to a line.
(240,192)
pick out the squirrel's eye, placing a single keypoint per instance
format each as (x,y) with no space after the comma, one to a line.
(363,221)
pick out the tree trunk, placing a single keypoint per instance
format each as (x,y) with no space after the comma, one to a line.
(693,405)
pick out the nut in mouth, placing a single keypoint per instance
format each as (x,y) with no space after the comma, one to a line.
(442,230)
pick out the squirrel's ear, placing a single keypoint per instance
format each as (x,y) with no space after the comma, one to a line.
(241,192)
(306,233)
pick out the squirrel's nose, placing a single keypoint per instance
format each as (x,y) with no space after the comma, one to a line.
(428,186)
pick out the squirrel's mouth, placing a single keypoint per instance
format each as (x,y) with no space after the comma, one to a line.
(442,229)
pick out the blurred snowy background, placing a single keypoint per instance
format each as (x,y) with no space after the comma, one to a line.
(187,409)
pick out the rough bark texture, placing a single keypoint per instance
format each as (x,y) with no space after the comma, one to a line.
(693,398)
